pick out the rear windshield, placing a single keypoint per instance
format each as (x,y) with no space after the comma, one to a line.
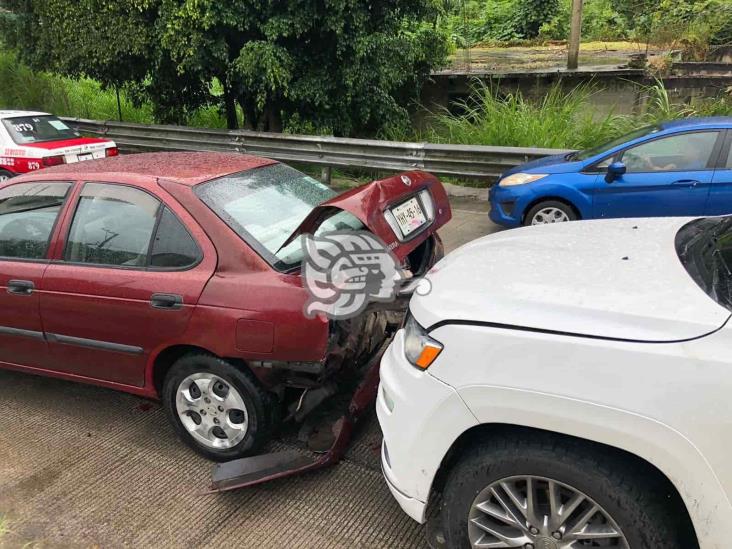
(264,206)
(36,129)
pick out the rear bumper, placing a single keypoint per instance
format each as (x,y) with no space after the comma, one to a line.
(420,418)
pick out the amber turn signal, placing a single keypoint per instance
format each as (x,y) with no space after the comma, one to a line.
(427,356)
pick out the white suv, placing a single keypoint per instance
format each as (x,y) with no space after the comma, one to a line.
(569,386)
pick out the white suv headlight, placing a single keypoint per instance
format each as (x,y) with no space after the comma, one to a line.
(520,179)
(419,348)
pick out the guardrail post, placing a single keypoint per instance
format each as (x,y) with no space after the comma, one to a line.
(325,175)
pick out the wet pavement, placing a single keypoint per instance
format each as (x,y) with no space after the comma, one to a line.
(82,466)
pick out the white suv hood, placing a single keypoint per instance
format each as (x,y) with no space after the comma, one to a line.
(616,279)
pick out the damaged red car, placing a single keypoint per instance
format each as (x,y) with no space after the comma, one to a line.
(178,276)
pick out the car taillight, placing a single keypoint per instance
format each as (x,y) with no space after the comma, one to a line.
(54,160)
(112,151)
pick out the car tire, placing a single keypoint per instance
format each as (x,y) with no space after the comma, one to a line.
(551,211)
(631,499)
(214,390)
(5,175)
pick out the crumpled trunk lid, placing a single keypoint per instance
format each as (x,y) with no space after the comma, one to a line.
(375,204)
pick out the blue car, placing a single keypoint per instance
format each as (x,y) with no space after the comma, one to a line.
(680,168)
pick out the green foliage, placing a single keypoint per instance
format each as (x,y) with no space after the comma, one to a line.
(600,21)
(475,21)
(560,119)
(693,24)
(23,88)
(341,66)
(530,15)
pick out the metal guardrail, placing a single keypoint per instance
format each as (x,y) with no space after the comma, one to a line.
(455,160)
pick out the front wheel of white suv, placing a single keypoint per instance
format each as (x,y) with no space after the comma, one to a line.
(550,493)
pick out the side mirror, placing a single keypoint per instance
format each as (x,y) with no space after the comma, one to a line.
(614,171)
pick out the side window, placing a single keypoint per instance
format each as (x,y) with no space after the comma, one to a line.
(603,165)
(28,212)
(685,152)
(728,164)
(173,246)
(113,225)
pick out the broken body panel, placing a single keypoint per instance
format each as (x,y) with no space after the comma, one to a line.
(236,305)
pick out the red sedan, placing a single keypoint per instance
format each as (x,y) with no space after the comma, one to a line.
(176,276)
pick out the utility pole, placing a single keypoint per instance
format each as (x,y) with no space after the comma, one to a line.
(574,35)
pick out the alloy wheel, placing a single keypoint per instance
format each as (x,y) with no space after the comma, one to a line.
(549,215)
(212,411)
(532,512)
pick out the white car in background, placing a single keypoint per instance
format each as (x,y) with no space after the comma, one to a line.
(569,386)
(31,140)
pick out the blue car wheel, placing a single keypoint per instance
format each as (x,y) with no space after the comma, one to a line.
(550,211)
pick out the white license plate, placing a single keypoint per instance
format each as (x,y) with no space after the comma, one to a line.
(409,216)
(82,157)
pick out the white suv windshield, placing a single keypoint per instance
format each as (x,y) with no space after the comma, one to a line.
(35,129)
(264,206)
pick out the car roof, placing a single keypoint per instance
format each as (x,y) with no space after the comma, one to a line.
(13,114)
(187,168)
(691,123)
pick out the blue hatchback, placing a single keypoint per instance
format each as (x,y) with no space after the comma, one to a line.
(680,168)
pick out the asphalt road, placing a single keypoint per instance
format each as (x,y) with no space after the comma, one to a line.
(82,466)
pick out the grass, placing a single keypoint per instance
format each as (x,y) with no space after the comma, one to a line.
(560,119)
(23,88)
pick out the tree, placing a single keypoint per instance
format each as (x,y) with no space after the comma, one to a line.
(348,67)
(336,66)
(112,42)
(532,14)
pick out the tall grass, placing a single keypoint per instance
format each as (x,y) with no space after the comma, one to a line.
(559,119)
(22,88)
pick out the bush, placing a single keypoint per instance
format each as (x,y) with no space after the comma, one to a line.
(599,22)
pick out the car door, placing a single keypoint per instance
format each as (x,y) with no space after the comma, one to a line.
(719,201)
(28,215)
(124,284)
(666,176)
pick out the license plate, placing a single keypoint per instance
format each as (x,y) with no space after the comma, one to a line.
(83,157)
(409,216)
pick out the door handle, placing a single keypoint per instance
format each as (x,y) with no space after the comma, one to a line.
(686,182)
(166,301)
(20,287)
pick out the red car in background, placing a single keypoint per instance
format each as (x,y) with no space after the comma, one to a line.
(30,141)
(168,275)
